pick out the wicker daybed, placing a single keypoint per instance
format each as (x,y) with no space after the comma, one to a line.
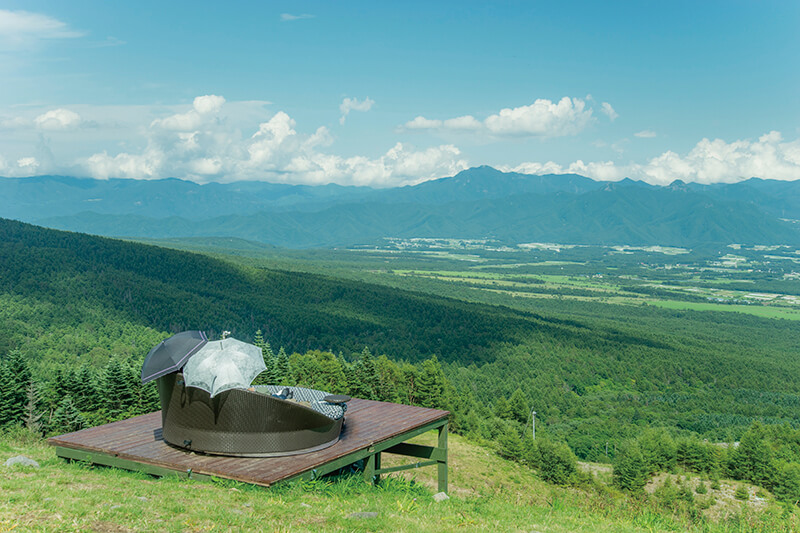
(248,423)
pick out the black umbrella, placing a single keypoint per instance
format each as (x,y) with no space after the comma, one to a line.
(171,354)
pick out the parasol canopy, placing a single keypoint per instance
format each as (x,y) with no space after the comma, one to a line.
(170,354)
(222,365)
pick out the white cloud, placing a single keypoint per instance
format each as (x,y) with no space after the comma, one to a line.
(467,122)
(203,105)
(15,123)
(645,134)
(133,166)
(28,164)
(288,17)
(58,119)
(200,144)
(353,104)
(422,123)
(710,161)
(606,108)
(210,103)
(21,29)
(542,118)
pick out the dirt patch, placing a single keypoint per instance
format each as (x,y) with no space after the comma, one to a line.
(108,527)
(598,469)
(725,502)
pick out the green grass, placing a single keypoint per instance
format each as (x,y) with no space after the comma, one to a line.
(756,310)
(487,494)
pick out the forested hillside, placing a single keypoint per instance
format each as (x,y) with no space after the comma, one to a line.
(80,312)
(173,291)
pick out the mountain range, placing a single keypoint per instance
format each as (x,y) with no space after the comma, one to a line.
(478,203)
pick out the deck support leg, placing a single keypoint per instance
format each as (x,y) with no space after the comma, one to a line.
(442,466)
(369,469)
(377,466)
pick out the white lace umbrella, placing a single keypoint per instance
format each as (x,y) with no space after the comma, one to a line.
(222,365)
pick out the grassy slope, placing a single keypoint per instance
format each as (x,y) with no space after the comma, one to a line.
(488,493)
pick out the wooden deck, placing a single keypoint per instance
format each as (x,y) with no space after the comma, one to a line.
(371,428)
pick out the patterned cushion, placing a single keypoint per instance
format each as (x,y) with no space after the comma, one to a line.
(314,398)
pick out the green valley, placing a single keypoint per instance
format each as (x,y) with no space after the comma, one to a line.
(596,340)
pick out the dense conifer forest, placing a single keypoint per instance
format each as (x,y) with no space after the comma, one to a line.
(640,387)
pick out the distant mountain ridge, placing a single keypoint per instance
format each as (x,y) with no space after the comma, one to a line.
(477,203)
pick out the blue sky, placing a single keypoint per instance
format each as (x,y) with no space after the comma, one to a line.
(388,94)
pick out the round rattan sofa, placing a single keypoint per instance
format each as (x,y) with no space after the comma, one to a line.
(247,423)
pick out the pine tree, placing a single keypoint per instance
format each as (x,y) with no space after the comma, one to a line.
(366,382)
(14,393)
(7,387)
(511,446)
(88,397)
(259,339)
(270,375)
(32,414)
(502,409)
(518,406)
(431,384)
(556,461)
(283,370)
(67,418)
(752,459)
(630,469)
(118,387)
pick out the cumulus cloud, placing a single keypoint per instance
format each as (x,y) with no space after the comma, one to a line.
(199,144)
(710,161)
(465,123)
(645,134)
(542,118)
(192,119)
(353,104)
(29,164)
(422,123)
(19,29)
(58,119)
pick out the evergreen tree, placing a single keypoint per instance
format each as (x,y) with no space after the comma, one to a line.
(630,469)
(788,486)
(510,442)
(32,414)
(7,388)
(658,449)
(366,382)
(752,459)
(270,375)
(88,397)
(14,390)
(148,398)
(518,406)
(119,388)
(66,417)
(283,370)
(502,409)
(555,461)
(431,384)
(391,378)
(259,340)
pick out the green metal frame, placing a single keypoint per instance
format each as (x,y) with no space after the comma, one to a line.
(105,459)
(372,459)
(398,446)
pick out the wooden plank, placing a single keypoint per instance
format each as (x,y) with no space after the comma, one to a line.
(136,443)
